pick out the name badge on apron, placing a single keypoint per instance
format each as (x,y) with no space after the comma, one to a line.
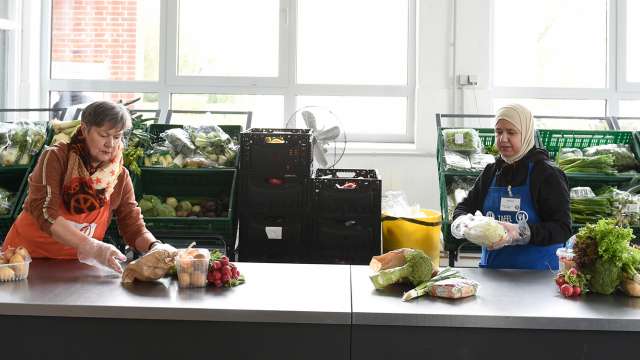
(86,229)
(510,204)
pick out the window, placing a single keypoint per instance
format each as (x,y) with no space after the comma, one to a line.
(225,38)
(267,109)
(105,40)
(269,57)
(557,107)
(559,43)
(632,39)
(328,34)
(8,35)
(559,58)
(75,101)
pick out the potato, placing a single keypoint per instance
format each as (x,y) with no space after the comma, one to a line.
(6,274)
(18,265)
(184,280)
(198,279)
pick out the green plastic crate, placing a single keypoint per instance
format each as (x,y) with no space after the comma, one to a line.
(13,179)
(190,183)
(554,140)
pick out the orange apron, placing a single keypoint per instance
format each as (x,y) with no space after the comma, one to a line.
(26,232)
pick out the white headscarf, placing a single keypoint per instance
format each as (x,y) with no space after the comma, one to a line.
(522,120)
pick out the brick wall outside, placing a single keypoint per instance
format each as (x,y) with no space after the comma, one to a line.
(97,31)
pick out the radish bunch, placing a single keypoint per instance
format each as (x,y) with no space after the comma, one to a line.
(222,272)
(571,282)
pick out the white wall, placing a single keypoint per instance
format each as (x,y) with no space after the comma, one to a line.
(415,171)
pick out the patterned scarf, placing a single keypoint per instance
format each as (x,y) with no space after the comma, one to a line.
(87,188)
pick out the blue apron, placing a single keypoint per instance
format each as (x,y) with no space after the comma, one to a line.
(516,256)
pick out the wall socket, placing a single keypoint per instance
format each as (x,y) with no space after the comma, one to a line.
(467,80)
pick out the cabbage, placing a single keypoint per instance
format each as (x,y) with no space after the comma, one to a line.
(479,229)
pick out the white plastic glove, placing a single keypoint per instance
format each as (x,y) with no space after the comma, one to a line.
(101,255)
(517,234)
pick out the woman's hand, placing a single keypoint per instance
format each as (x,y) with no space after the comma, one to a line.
(517,234)
(99,254)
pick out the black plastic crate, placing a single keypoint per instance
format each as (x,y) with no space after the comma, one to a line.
(267,194)
(332,194)
(345,241)
(276,152)
(189,184)
(273,238)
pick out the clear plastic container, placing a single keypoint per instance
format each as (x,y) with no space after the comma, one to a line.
(15,271)
(192,266)
(565,259)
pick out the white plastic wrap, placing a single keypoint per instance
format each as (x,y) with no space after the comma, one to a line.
(479,229)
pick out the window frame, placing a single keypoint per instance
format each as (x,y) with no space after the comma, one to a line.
(10,26)
(170,82)
(615,89)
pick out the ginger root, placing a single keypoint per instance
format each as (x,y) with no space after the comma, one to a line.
(152,266)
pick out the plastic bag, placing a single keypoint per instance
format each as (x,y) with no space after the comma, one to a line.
(581,193)
(180,141)
(462,140)
(214,144)
(457,161)
(479,229)
(23,140)
(197,161)
(455,288)
(480,161)
(623,157)
(567,153)
(6,202)
(394,203)
(160,155)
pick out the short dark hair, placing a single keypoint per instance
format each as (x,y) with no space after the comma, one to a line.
(99,113)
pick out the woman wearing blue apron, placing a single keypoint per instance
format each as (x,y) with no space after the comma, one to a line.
(526,193)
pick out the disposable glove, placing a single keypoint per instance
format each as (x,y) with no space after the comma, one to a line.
(517,234)
(101,255)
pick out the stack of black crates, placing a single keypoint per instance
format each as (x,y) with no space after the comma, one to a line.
(275,168)
(286,215)
(345,216)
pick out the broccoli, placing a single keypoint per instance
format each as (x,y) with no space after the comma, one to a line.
(416,269)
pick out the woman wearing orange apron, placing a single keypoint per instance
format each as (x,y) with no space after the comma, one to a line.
(75,189)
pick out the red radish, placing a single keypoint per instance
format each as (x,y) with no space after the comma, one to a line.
(225,278)
(573,271)
(224,261)
(217,275)
(217,264)
(218,283)
(560,280)
(566,290)
(576,291)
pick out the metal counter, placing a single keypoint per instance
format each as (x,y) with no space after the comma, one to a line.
(70,310)
(515,314)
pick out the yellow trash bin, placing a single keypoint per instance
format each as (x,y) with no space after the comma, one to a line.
(419,233)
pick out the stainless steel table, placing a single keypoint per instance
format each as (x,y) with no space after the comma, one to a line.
(516,314)
(67,309)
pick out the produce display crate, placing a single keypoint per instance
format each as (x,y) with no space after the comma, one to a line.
(451,244)
(13,179)
(276,152)
(232,130)
(185,184)
(273,238)
(553,140)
